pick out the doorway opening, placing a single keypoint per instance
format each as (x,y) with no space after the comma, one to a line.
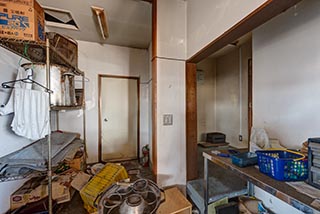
(224,98)
(119,111)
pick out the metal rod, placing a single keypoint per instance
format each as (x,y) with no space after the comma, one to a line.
(57,120)
(205,185)
(49,136)
(250,188)
(84,115)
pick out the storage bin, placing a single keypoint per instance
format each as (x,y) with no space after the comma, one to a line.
(91,192)
(283,165)
(314,162)
(244,159)
(66,46)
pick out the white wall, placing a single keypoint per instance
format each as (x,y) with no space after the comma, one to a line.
(9,142)
(286,75)
(97,59)
(227,98)
(221,105)
(171,43)
(171,29)
(171,141)
(208,19)
(206,97)
(232,94)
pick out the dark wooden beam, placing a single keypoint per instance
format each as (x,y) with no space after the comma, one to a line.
(258,17)
(150,1)
(191,121)
(154,89)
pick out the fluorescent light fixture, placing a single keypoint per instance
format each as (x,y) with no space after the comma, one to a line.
(102,21)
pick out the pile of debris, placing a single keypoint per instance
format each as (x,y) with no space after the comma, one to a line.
(95,185)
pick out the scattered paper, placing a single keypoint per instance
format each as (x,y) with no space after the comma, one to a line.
(305,189)
(316,203)
(80,180)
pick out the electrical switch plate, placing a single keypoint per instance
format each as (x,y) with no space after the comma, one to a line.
(240,137)
(167,119)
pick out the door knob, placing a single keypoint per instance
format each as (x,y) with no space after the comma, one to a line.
(105,120)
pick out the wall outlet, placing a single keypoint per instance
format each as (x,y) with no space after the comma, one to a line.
(240,137)
(167,119)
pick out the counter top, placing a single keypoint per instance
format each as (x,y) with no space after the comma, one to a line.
(279,189)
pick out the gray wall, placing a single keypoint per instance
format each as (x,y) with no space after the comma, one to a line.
(222,98)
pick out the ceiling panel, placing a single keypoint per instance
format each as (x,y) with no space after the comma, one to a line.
(129,21)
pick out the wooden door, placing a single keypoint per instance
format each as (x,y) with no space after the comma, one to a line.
(119,118)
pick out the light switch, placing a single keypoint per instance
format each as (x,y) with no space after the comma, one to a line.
(167,119)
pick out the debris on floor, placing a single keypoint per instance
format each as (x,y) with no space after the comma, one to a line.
(251,205)
(76,183)
(142,196)
(108,175)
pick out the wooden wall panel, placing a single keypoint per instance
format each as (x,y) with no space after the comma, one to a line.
(154,88)
(154,117)
(191,121)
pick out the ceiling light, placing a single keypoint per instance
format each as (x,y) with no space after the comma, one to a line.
(102,21)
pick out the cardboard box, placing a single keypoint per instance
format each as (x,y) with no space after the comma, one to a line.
(37,188)
(78,163)
(175,203)
(22,19)
(26,194)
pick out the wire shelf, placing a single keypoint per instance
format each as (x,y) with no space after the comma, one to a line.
(36,52)
(23,176)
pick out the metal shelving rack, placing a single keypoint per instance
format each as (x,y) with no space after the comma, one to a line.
(43,52)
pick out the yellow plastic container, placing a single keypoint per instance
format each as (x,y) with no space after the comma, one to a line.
(110,174)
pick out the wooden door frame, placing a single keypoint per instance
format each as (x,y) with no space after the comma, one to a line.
(100,76)
(250,99)
(262,14)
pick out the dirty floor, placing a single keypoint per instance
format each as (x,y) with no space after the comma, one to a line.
(135,171)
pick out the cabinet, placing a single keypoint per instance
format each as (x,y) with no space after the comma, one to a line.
(44,52)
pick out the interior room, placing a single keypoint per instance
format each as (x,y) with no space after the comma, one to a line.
(159,106)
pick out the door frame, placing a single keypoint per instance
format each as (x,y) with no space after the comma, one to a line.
(100,76)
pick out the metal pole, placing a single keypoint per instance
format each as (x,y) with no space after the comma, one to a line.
(49,136)
(250,188)
(205,185)
(84,114)
(57,119)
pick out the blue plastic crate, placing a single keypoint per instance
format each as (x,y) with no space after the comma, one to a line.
(283,165)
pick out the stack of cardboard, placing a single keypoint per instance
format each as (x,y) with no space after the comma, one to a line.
(22,20)
(64,184)
(37,188)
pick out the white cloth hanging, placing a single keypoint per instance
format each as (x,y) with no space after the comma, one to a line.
(21,74)
(31,113)
(67,91)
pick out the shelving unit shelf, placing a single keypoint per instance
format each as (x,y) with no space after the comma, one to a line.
(36,52)
(44,52)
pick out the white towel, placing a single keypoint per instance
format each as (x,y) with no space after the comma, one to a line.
(21,74)
(31,113)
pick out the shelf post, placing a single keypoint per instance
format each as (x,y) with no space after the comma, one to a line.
(84,115)
(49,136)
